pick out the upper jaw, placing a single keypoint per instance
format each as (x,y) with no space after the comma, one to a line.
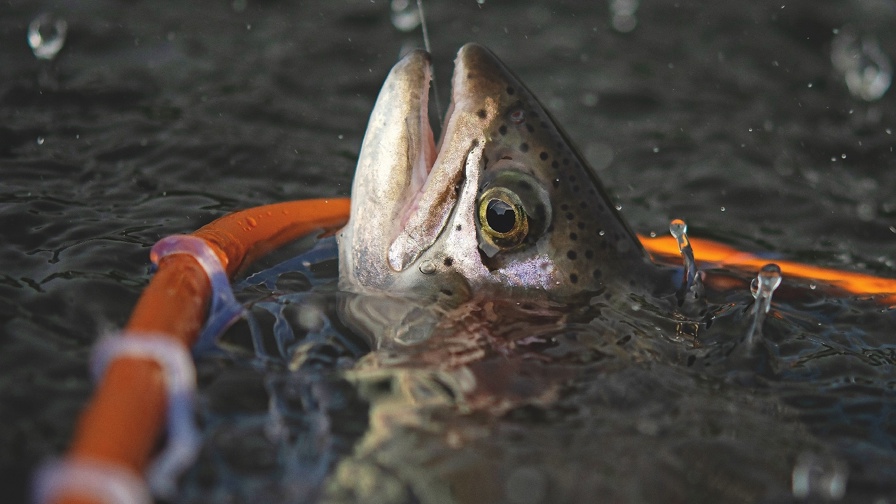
(404,192)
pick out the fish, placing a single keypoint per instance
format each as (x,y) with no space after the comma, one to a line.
(502,206)
(525,348)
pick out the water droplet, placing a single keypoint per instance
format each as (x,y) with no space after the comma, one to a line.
(656,149)
(46,36)
(864,66)
(589,99)
(40,140)
(618,207)
(866,211)
(722,209)
(842,156)
(427,268)
(602,232)
(819,478)
(405,15)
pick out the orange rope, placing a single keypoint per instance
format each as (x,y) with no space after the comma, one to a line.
(123,421)
(708,251)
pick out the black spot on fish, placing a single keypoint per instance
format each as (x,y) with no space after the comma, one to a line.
(573,236)
(570,216)
(481,113)
(589,254)
(503,129)
(448,260)
(458,227)
(583,204)
(510,90)
(543,156)
(571,254)
(475,142)
(573,278)
(524,147)
(564,206)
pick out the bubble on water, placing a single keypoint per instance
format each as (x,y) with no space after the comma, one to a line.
(46,36)
(864,66)
(622,14)
(819,478)
(405,15)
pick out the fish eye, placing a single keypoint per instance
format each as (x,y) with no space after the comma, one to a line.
(514,208)
(503,221)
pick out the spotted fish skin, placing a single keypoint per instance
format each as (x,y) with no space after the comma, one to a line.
(504,205)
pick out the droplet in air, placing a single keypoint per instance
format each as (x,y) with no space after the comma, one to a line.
(864,66)
(40,140)
(622,14)
(405,15)
(818,478)
(46,36)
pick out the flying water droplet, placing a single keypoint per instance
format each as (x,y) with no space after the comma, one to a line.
(817,478)
(864,66)
(622,14)
(405,15)
(46,36)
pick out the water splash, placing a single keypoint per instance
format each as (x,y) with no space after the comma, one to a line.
(622,14)
(762,287)
(692,285)
(862,63)
(46,36)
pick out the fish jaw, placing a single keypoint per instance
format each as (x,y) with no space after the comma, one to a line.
(419,235)
(396,155)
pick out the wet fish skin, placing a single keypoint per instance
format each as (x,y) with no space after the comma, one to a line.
(425,235)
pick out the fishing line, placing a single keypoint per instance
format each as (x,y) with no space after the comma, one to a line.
(435,88)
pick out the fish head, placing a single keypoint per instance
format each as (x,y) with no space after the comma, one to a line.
(503,205)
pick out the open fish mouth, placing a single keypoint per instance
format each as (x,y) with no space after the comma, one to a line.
(405,187)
